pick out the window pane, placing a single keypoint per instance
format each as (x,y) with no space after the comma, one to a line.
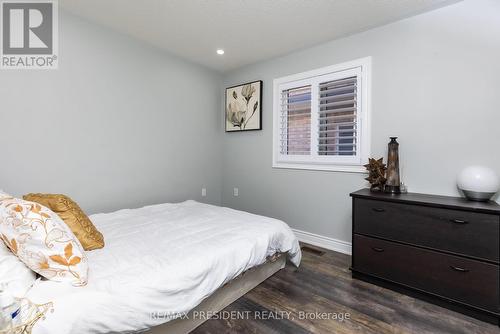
(296,121)
(337,118)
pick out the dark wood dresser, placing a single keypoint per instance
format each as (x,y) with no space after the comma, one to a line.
(442,249)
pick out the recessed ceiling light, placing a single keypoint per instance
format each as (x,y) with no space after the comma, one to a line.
(220,51)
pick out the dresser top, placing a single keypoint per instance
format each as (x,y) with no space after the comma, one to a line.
(449,202)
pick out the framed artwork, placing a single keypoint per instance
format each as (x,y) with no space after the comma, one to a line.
(244,107)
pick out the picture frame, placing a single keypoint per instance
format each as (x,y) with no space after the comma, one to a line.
(243,107)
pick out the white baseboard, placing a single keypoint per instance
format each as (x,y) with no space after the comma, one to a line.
(324,242)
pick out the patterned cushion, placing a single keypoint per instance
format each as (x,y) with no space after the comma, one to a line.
(42,241)
(73,216)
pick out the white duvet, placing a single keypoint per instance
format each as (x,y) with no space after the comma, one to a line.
(162,259)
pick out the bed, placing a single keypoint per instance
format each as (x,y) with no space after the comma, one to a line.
(163,262)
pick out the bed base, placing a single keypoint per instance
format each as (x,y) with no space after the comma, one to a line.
(223,297)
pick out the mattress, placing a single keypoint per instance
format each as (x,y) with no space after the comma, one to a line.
(158,263)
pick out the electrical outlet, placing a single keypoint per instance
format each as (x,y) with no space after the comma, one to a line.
(236,192)
(203,192)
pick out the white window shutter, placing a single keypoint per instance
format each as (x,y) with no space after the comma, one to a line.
(295,121)
(321,118)
(337,133)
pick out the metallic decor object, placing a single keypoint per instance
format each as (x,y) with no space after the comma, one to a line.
(478,183)
(393,183)
(30,314)
(376,174)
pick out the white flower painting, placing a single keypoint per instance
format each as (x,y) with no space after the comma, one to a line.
(243,107)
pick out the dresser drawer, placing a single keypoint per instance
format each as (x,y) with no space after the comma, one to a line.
(462,232)
(464,280)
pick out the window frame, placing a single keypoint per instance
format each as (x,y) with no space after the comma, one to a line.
(360,68)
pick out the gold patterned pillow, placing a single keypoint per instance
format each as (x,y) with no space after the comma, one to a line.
(42,241)
(73,216)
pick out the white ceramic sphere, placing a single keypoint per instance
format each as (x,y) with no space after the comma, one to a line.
(478,180)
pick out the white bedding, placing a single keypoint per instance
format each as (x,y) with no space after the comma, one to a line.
(164,258)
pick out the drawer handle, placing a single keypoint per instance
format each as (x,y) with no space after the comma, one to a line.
(378,210)
(462,270)
(459,221)
(377,249)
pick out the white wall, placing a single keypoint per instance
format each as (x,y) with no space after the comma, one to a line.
(119,124)
(436,82)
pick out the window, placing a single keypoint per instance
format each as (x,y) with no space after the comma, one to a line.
(321,118)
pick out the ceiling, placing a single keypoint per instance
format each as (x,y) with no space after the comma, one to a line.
(248,30)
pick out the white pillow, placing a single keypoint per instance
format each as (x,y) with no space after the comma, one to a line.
(41,239)
(14,274)
(4,195)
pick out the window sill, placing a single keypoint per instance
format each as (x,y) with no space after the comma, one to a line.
(321,167)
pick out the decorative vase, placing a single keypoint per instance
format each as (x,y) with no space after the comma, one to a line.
(478,183)
(393,184)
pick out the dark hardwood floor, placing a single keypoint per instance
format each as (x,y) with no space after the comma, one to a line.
(323,284)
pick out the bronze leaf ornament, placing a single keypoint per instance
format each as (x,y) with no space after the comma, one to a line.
(376,174)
